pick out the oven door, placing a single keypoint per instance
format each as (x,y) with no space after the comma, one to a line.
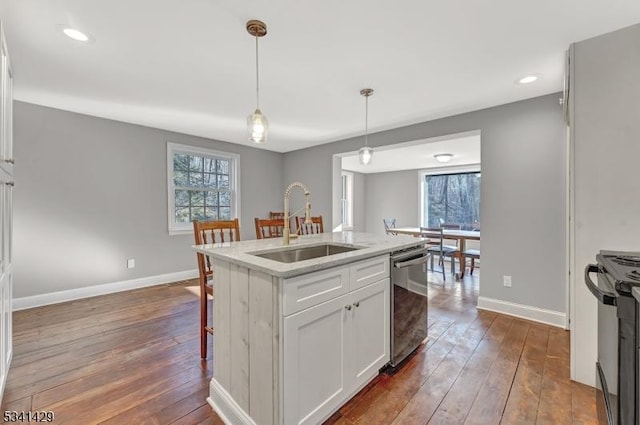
(607,365)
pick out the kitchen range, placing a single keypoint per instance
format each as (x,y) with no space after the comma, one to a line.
(617,370)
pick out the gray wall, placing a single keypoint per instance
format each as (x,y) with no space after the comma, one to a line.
(523,148)
(359,201)
(393,194)
(606,141)
(91,193)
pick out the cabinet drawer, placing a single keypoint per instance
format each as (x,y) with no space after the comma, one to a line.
(369,271)
(307,290)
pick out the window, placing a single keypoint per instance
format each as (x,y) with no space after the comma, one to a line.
(202,184)
(346,201)
(451,198)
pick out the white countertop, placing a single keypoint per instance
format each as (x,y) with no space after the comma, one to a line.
(372,245)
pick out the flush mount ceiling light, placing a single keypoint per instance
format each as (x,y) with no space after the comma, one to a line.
(257,124)
(527,79)
(76,34)
(443,157)
(366,153)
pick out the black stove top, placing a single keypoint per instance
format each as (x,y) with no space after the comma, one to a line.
(623,267)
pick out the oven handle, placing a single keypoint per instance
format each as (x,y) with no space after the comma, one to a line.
(419,260)
(409,254)
(608,298)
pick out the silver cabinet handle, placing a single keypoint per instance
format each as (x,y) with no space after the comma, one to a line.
(10,161)
(357,304)
(10,184)
(348,307)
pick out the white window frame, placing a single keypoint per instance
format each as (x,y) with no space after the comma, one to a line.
(348,200)
(234,182)
(473,168)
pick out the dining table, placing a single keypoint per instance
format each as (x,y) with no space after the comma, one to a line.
(462,236)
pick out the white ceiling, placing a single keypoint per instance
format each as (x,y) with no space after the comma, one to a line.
(189,66)
(418,155)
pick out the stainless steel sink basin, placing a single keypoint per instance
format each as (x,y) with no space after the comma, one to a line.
(289,255)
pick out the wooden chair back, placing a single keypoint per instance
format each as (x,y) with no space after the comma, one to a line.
(276,214)
(269,227)
(206,232)
(209,232)
(309,229)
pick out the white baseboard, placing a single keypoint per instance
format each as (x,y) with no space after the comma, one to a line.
(226,407)
(548,317)
(92,291)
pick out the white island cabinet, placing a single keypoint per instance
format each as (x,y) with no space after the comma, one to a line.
(294,341)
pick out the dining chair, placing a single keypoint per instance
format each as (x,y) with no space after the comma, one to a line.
(269,227)
(207,232)
(435,240)
(309,229)
(473,254)
(276,214)
(452,226)
(389,224)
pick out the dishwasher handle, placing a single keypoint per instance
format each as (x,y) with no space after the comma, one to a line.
(413,262)
(605,297)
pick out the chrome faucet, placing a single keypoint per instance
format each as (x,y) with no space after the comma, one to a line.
(286,233)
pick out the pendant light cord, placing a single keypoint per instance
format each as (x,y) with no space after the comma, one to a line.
(257,79)
(366,120)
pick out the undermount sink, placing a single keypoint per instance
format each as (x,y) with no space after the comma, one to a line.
(289,255)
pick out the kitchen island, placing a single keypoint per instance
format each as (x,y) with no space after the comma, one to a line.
(299,329)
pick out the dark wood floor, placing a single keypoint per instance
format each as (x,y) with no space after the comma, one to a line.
(133,358)
(126,358)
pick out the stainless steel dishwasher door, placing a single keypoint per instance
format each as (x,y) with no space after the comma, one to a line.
(409,304)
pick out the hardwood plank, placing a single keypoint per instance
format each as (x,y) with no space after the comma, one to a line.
(490,401)
(168,406)
(555,397)
(582,408)
(522,405)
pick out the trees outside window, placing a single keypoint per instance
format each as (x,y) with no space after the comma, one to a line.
(202,186)
(452,198)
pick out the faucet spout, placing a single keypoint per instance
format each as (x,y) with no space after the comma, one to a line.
(286,232)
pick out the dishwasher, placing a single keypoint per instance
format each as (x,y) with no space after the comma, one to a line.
(408,302)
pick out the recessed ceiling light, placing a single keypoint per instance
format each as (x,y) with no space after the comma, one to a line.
(443,157)
(75,34)
(528,79)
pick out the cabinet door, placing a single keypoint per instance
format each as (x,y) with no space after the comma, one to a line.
(370,331)
(315,361)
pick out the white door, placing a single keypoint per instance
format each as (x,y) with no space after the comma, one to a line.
(315,361)
(370,343)
(6,213)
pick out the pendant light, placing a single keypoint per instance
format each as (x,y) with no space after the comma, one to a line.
(257,124)
(366,153)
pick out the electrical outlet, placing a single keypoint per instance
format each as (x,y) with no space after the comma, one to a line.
(131,263)
(507,281)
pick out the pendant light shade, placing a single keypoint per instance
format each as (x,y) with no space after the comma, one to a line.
(365,154)
(258,127)
(257,124)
